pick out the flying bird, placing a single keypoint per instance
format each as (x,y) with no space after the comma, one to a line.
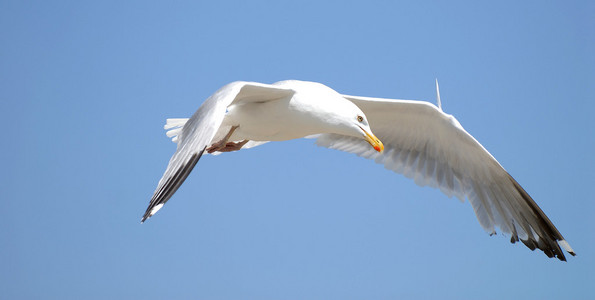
(414,138)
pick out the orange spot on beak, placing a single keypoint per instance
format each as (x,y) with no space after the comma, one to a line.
(374,141)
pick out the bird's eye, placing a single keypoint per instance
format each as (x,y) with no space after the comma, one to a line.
(360,119)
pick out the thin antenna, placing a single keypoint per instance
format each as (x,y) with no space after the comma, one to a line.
(438,95)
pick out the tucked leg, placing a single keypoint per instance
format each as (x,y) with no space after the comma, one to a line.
(232,146)
(224,146)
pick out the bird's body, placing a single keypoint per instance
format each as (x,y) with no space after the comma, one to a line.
(422,142)
(289,117)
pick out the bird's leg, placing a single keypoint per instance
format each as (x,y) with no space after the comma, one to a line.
(224,146)
(233,146)
(223,142)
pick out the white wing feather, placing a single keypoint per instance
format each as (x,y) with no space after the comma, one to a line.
(431,147)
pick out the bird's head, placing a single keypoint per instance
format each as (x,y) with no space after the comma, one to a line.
(326,111)
(364,131)
(351,121)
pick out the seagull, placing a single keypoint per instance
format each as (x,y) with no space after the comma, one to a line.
(420,141)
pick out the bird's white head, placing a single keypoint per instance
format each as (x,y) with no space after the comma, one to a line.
(353,122)
(368,135)
(330,112)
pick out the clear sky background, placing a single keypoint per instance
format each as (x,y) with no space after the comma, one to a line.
(86,86)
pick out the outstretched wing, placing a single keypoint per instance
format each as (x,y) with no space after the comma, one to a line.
(425,144)
(197,133)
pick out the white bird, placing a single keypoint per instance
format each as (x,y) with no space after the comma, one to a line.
(422,142)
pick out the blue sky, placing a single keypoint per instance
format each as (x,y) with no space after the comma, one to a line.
(86,86)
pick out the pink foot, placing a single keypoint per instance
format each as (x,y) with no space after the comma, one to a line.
(228,147)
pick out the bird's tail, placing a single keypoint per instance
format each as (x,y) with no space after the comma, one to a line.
(174,128)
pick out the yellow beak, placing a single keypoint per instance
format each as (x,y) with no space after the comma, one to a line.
(374,141)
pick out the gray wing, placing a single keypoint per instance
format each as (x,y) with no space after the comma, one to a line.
(197,133)
(431,147)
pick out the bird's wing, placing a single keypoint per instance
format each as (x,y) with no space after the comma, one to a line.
(197,133)
(425,144)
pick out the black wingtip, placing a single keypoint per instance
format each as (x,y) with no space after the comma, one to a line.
(163,194)
(147,214)
(145,217)
(547,235)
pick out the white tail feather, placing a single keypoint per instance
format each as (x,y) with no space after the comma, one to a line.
(174,128)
